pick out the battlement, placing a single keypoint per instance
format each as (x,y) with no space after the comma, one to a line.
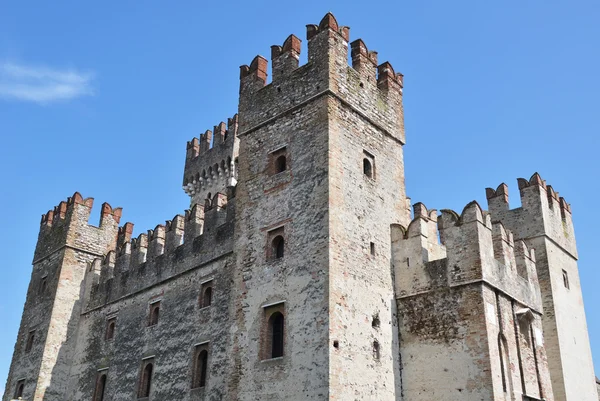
(473,248)
(211,169)
(374,91)
(67,224)
(202,234)
(543,212)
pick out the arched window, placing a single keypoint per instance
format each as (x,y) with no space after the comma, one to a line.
(42,286)
(280,164)
(367,168)
(30,338)
(154,313)
(200,369)
(276,326)
(146,380)
(20,388)
(100,387)
(278,246)
(504,364)
(110,329)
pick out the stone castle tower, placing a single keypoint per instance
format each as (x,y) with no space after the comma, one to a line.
(300,271)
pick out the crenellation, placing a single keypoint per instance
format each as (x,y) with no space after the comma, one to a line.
(299,271)
(285,58)
(363,60)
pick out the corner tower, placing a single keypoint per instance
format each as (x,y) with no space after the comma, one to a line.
(544,222)
(40,368)
(321,180)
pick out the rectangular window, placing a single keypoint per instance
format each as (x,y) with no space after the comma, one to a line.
(565,279)
(200,363)
(154,313)
(206,294)
(273,331)
(372,248)
(30,339)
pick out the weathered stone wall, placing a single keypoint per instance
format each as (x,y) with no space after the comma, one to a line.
(66,245)
(374,306)
(544,223)
(469,309)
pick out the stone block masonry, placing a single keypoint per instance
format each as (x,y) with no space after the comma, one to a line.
(300,272)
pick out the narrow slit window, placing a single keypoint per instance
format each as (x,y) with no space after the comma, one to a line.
(20,388)
(30,340)
(565,279)
(372,248)
(43,284)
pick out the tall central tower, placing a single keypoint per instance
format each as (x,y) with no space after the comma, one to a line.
(321,179)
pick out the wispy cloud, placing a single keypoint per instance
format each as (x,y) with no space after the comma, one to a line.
(42,84)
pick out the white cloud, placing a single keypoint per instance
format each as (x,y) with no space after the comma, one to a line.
(42,84)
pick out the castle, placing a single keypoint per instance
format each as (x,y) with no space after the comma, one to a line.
(301,272)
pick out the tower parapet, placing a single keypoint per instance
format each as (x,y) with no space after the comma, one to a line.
(373,91)
(202,235)
(211,169)
(544,223)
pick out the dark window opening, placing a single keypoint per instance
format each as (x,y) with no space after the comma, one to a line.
(276,323)
(154,313)
(200,369)
(565,279)
(110,329)
(206,294)
(100,388)
(280,164)
(278,247)
(20,388)
(372,249)
(336,344)
(367,168)
(376,322)
(376,351)
(42,290)
(30,338)
(146,380)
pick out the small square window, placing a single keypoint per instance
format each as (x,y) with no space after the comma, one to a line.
(30,340)
(110,328)
(278,161)
(276,244)
(206,294)
(154,313)
(565,279)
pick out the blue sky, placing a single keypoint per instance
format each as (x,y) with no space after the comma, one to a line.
(101,98)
